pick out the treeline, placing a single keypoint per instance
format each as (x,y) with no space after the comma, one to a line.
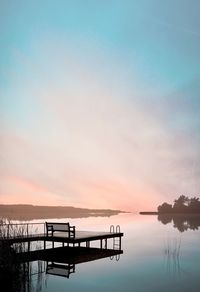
(30,212)
(182,205)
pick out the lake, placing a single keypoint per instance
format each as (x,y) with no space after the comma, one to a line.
(156,257)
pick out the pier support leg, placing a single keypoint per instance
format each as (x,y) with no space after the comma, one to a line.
(29,243)
(120,243)
(44,244)
(101,244)
(106,243)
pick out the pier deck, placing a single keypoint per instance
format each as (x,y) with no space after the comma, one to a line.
(80,237)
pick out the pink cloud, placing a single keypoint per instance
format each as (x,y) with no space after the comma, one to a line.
(18,190)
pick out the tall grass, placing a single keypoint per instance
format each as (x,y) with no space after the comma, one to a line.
(14,277)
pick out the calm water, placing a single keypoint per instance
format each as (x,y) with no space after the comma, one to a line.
(156,257)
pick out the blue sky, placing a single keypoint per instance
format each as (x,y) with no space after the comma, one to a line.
(99,99)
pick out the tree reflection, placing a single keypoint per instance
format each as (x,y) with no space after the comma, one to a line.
(182,222)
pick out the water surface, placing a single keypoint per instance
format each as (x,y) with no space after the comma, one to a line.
(156,257)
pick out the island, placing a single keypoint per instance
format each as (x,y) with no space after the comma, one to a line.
(182,205)
(184,213)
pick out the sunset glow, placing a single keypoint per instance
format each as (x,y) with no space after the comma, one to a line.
(99,103)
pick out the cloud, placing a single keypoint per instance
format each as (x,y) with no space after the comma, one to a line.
(16,190)
(92,137)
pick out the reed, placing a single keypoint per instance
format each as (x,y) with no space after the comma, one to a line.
(14,277)
(172,252)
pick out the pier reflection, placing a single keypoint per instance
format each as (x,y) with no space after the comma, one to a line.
(73,256)
(58,269)
(32,266)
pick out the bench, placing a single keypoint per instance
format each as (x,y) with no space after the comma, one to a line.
(52,227)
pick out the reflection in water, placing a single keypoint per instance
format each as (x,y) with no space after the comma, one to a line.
(172,256)
(25,273)
(58,269)
(182,222)
(22,277)
(149,263)
(33,280)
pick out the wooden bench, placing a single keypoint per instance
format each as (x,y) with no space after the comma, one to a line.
(52,227)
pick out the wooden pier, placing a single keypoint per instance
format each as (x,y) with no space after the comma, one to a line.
(59,259)
(80,237)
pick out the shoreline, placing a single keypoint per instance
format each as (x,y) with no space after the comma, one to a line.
(168,214)
(34,212)
(148,213)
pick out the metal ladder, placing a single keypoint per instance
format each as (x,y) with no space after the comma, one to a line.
(116,241)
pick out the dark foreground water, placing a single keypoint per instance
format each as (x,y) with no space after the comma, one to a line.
(156,257)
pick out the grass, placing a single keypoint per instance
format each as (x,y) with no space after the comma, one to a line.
(14,277)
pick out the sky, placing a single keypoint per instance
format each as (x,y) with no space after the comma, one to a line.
(99,102)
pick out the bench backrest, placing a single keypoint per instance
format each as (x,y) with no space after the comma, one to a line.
(58,226)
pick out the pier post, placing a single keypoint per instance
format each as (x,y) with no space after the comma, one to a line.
(8,233)
(106,243)
(120,242)
(29,243)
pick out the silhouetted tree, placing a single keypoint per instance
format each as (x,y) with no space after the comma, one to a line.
(180,205)
(165,208)
(194,205)
(184,213)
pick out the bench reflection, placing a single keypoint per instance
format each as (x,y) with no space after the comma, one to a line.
(58,269)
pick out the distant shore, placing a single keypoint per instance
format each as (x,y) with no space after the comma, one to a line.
(148,213)
(31,212)
(168,214)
